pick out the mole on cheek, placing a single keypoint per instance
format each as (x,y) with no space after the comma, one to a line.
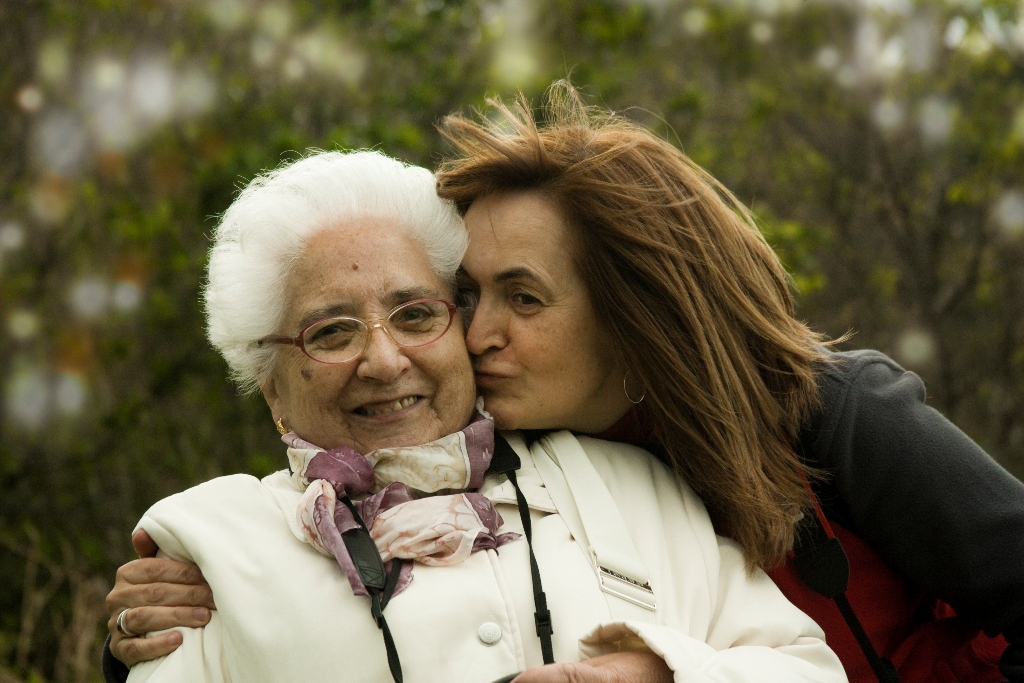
(306,373)
(355,266)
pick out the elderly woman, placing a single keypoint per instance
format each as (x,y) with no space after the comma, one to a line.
(404,539)
(609,271)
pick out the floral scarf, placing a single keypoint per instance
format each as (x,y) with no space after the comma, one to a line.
(405,516)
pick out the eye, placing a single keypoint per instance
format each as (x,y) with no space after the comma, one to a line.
(411,314)
(332,333)
(466,298)
(523,300)
(419,318)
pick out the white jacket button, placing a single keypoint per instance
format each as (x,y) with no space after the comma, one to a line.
(489,633)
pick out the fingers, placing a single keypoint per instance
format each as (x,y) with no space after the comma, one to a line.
(146,619)
(159,583)
(565,673)
(154,570)
(125,595)
(640,667)
(131,651)
(619,667)
(158,594)
(169,595)
(144,544)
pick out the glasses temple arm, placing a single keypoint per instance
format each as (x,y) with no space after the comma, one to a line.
(260,343)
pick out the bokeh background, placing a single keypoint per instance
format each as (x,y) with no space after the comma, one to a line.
(879,142)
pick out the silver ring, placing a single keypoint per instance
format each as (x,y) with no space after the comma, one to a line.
(121,626)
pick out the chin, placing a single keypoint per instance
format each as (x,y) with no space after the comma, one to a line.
(508,414)
(412,437)
(505,426)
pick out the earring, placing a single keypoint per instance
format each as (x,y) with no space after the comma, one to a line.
(280,426)
(626,391)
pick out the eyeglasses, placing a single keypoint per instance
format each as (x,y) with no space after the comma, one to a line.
(343,339)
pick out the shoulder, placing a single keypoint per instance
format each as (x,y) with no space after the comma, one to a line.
(227,504)
(848,364)
(229,490)
(635,474)
(222,510)
(614,459)
(862,394)
(855,372)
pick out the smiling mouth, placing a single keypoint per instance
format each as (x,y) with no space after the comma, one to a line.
(372,409)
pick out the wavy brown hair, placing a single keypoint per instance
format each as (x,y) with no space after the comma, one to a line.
(697,303)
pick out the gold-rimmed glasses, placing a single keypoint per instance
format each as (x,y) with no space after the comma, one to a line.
(344,338)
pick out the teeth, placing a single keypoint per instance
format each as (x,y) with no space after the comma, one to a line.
(398,405)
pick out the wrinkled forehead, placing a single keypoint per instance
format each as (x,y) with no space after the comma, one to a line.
(522,232)
(360,268)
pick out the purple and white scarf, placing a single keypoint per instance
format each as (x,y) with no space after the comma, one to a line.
(404,518)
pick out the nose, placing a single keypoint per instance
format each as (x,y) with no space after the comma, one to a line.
(488,330)
(383,360)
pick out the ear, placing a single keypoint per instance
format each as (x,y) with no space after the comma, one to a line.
(274,400)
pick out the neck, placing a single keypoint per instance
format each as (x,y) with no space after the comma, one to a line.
(601,419)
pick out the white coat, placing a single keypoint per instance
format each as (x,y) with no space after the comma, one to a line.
(287,613)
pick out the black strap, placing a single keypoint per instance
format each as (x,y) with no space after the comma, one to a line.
(392,582)
(380,583)
(821,563)
(506,461)
(377,610)
(884,669)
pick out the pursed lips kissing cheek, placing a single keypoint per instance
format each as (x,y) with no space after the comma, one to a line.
(489,378)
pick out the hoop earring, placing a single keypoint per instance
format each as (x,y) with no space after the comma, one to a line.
(280,426)
(626,391)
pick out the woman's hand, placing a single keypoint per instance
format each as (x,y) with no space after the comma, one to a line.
(620,667)
(158,594)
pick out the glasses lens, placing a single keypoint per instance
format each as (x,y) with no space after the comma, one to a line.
(335,340)
(419,322)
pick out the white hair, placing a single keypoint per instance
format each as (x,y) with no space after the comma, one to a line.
(267,227)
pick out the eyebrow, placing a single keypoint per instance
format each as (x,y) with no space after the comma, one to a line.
(330,312)
(516,273)
(411,294)
(393,299)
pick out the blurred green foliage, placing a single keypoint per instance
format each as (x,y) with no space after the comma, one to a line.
(879,143)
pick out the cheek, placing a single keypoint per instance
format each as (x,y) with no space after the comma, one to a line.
(542,346)
(316,387)
(592,355)
(308,372)
(461,375)
(564,361)
(450,368)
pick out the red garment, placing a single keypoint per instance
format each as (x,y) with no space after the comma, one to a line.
(635,428)
(922,636)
